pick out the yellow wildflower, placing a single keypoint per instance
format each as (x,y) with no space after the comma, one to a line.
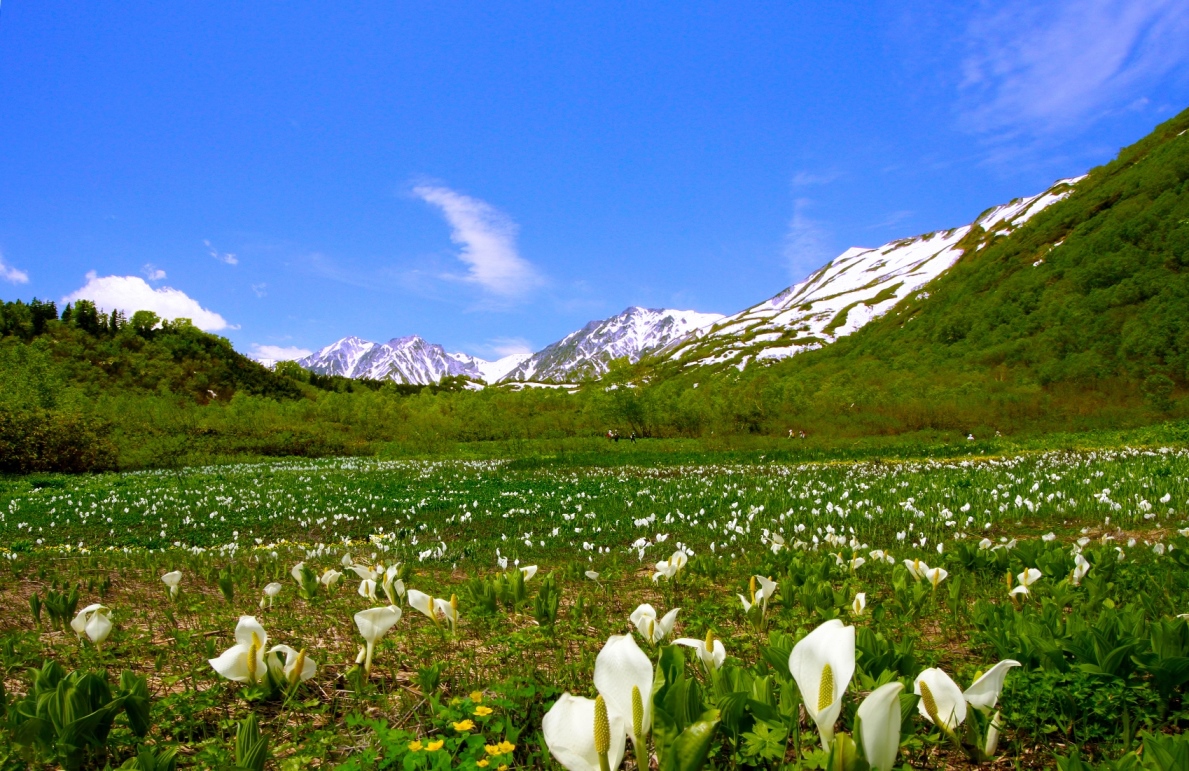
(506,747)
(465,725)
(503,767)
(482,711)
(476,696)
(482,763)
(492,749)
(415,746)
(435,746)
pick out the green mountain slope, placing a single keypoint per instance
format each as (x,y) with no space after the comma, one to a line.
(1084,309)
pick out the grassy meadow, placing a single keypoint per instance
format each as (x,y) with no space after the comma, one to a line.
(1103,653)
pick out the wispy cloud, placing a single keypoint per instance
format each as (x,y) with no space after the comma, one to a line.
(488,240)
(260,290)
(152,272)
(893,219)
(224,257)
(808,179)
(806,245)
(131,294)
(1038,67)
(11,274)
(271,353)
(507,346)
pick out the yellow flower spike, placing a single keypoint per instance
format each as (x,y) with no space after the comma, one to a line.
(464,725)
(252,651)
(435,746)
(481,711)
(710,640)
(752,586)
(825,692)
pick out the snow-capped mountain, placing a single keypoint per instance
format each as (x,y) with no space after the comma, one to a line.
(586,354)
(404,360)
(851,290)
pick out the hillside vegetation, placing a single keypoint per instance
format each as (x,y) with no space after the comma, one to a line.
(1078,321)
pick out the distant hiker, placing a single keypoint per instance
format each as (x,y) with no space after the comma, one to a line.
(970,437)
(802,433)
(633,437)
(790,433)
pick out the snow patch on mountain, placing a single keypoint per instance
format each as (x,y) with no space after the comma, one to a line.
(847,293)
(587,353)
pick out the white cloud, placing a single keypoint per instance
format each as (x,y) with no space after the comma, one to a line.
(260,290)
(805,244)
(131,293)
(152,272)
(488,240)
(1038,67)
(273,353)
(224,257)
(11,274)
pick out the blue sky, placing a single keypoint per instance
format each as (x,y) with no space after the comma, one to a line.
(492,176)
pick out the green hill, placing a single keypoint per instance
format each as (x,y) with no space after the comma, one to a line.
(1079,319)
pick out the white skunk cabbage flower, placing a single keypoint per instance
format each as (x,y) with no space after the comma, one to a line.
(577,732)
(935,576)
(244,662)
(823,663)
(916,567)
(859,604)
(367,589)
(270,592)
(650,627)
(1029,577)
(879,726)
(671,567)
(330,577)
(942,702)
(622,675)
(373,624)
(94,621)
(710,651)
(529,571)
(1081,566)
(298,666)
(173,579)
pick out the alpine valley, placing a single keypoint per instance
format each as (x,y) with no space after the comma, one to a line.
(839,298)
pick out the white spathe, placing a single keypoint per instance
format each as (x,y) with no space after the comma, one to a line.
(832,646)
(569,734)
(984,692)
(879,721)
(173,579)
